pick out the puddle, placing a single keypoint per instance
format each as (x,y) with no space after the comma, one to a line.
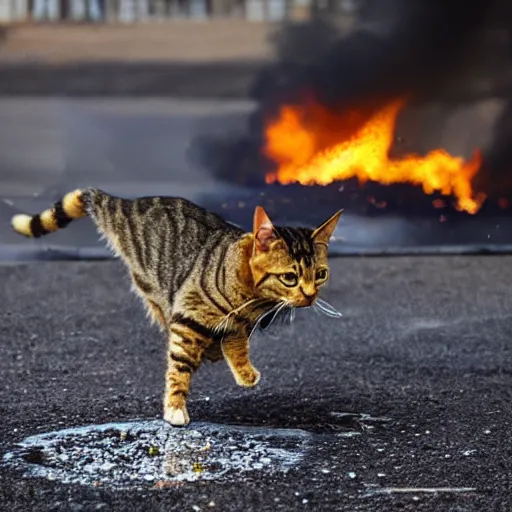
(152,454)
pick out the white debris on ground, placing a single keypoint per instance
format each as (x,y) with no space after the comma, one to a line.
(153,454)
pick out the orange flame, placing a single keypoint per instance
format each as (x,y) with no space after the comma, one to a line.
(311,145)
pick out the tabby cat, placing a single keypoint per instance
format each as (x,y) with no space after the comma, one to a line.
(206,282)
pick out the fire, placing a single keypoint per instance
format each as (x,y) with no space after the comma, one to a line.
(311,145)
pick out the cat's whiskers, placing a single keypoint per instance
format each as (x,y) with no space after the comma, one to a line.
(279,306)
(224,324)
(289,315)
(275,309)
(322,306)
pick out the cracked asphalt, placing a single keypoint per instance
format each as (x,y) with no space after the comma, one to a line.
(423,348)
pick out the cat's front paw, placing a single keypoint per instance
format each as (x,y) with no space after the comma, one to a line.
(178,417)
(248,378)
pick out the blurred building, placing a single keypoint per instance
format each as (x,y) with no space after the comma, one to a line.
(130,11)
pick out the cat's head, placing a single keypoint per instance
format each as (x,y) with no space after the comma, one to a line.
(290,264)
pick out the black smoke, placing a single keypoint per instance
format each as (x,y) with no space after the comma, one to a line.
(413,48)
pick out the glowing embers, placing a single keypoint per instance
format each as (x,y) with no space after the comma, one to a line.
(311,145)
(151,454)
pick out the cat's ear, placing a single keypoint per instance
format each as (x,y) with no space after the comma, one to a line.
(263,230)
(323,233)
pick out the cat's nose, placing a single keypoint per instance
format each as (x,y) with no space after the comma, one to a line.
(308,292)
(309,298)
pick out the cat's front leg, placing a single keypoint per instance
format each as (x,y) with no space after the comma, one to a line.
(236,352)
(183,358)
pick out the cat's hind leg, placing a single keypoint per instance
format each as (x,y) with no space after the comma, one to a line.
(156,314)
(145,290)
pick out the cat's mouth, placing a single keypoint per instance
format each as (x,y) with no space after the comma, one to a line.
(306,301)
(304,304)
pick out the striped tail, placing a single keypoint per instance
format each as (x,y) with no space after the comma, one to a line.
(72,206)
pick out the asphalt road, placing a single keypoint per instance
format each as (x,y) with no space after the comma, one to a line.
(424,342)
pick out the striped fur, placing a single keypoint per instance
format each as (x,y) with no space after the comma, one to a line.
(205,282)
(59,216)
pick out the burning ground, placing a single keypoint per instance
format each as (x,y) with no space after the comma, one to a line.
(328,109)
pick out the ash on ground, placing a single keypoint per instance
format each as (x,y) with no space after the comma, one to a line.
(153,454)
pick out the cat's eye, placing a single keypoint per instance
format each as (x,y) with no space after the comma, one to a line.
(289,279)
(321,275)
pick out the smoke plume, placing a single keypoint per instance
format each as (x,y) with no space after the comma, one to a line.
(417,49)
